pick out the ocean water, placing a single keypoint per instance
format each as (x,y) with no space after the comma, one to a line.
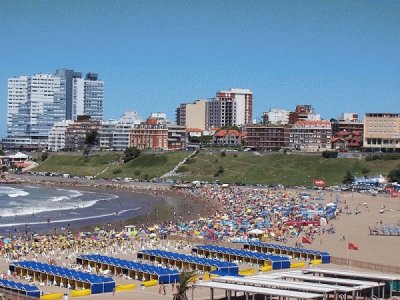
(19,200)
(40,207)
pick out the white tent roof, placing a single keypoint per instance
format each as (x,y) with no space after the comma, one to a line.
(258,290)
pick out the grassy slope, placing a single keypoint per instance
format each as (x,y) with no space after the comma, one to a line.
(279,168)
(152,165)
(245,168)
(149,165)
(77,165)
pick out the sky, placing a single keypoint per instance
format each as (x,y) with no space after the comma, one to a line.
(339,56)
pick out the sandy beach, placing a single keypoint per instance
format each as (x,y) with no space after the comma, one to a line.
(355,214)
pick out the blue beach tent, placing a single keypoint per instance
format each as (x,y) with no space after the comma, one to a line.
(97,284)
(276,261)
(163,275)
(20,288)
(195,261)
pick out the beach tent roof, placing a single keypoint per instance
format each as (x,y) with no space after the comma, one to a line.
(126,264)
(221,265)
(26,289)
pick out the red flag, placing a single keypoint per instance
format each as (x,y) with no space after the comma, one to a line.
(305,240)
(352,246)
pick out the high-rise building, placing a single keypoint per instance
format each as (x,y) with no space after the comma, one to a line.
(67,82)
(33,107)
(88,96)
(230,108)
(35,103)
(382,132)
(192,115)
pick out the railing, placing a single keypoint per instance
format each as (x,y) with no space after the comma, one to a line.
(365,265)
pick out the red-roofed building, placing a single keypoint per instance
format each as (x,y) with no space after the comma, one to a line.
(150,135)
(228,137)
(347,140)
(194,132)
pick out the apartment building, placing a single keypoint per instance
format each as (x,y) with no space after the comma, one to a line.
(35,103)
(268,137)
(192,115)
(115,134)
(382,132)
(176,137)
(233,107)
(150,135)
(310,136)
(75,135)
(276,117)
(56,140)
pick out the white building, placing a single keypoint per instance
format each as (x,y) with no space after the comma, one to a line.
(33,107)
(88,97)
(310,135)
(352,117)
(230,108)
(276,116)
(56,141)
(35,103)
(115,135)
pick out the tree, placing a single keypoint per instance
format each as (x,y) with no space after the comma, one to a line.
(348,178)
(91,138)
(44,156)
(131,153)
(394,175)
(183,286)
(1,152)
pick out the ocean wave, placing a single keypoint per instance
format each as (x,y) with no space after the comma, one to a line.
(70,220)
(65,204)
(59,198)
(13,192)
(18,193)
(10,212)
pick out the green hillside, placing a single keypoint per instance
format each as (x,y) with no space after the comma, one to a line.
(240,167)
(78,164)
(109,165)
(234,167)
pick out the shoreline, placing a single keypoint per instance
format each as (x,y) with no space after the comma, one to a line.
(164,203)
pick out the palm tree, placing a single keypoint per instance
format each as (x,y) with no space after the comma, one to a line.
(183,286)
